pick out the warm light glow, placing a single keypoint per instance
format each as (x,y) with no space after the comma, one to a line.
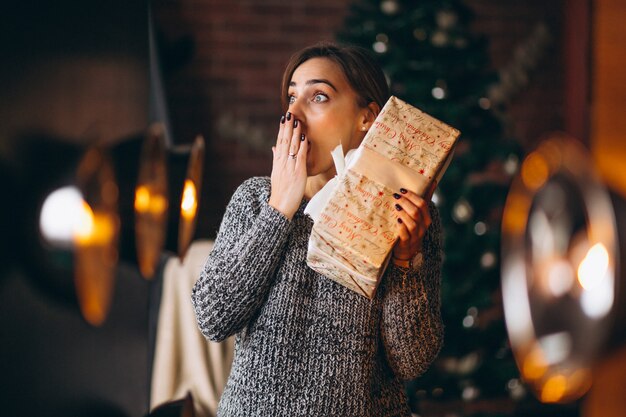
(560,277)
(515,213)
(189,201)
(59,215)
(535,171)
(149,202)
(94,229)
(84,226)
(142,199)
(597,301)
(534,365)
(593,267)
(554,389)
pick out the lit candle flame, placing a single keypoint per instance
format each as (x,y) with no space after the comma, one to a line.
(147,201)
(142,199)
(189,202)
(593,267)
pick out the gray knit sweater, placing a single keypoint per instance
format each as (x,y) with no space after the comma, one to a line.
(305,345)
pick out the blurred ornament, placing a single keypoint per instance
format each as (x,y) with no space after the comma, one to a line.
(439,38)
(421,393)
(438,93)
(420,34)
(480,228)
(389,7)
(488,260)
(516,389)
(471,319)
(461,366)
(511,164)
(437,198)
(446,19)
(561,269)
(470,393)
(440,90)
(379,47)
(484,103)
(462,211)
(468,363)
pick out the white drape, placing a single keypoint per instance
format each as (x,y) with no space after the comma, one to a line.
(184,360)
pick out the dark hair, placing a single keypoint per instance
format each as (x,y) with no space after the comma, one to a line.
(361,70)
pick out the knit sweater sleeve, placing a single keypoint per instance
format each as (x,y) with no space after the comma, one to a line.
(411,325)
(238,273)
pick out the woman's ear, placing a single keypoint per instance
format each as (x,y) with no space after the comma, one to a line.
(369,115)
(374,109)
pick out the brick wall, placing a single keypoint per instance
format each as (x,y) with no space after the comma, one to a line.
(229,87)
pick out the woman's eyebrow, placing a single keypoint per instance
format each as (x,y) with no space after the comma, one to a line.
(315,81)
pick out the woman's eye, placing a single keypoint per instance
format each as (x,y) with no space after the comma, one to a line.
(320,98)
(291,99)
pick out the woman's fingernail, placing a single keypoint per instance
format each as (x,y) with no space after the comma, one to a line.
(396,196)
(282,119)
(398,207)
(295,123)
(288,115)
(402,190)
(302,137)
(399,220)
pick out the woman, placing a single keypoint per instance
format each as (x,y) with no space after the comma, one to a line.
(306,346)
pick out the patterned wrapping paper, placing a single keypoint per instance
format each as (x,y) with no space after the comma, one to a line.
(353,237)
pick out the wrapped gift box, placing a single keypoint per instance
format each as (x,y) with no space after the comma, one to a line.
(355,219)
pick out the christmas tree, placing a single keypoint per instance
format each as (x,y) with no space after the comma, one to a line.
(434,61)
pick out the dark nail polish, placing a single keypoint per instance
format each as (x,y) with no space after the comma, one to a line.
(288,115)
(282,119)
(399,220)
(402,190)
(302,137)
(396,196)
(295,123)
(398,207)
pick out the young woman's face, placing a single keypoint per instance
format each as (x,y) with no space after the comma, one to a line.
(323,101)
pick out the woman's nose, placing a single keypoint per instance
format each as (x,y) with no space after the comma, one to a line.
(295,108)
